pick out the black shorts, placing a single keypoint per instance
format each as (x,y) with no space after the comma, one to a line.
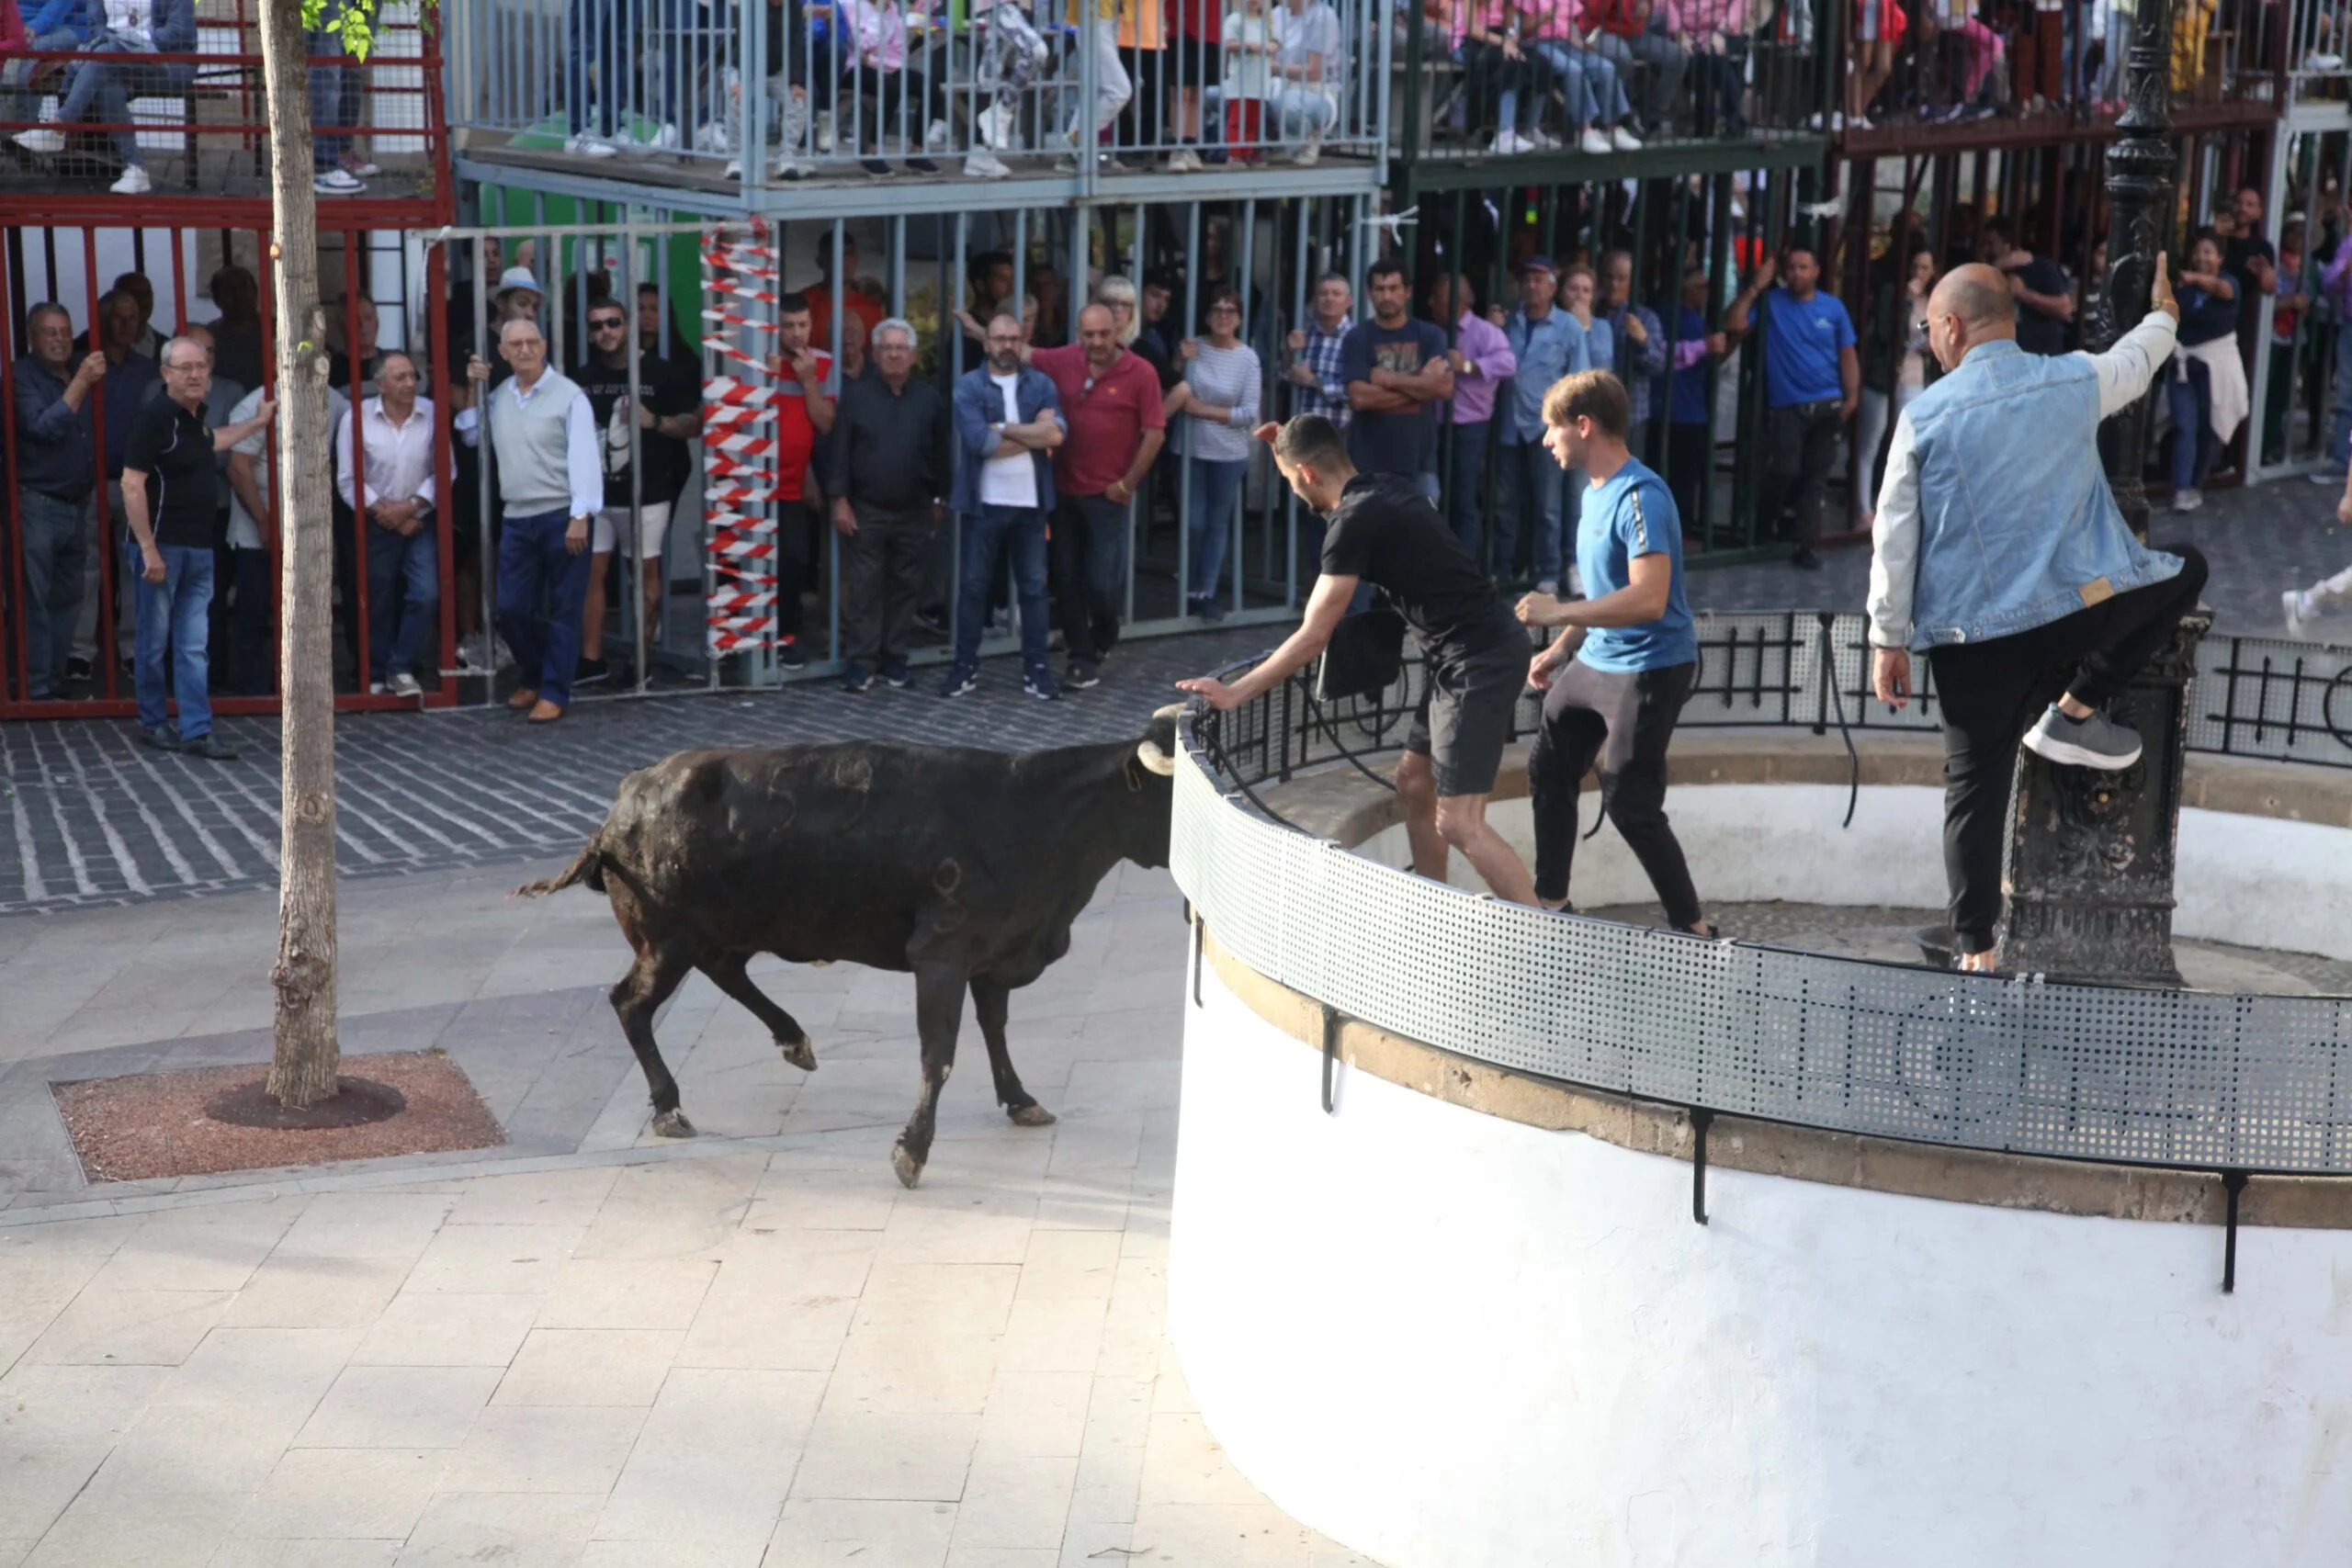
(1192,63)
(1464,719)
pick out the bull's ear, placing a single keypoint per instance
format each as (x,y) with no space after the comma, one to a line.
(1153,753)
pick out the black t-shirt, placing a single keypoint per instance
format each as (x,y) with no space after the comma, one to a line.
(2237,260)
(1381,441)
(2037,333)
(664,388)
(1385,532)
(174,448)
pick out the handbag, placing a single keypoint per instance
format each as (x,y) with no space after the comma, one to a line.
(1365,657)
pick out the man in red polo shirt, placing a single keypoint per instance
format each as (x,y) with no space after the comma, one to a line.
(1111,401)
(803,412)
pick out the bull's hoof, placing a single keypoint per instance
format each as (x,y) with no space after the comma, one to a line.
(1030,1115)
(909,1168)
(673,1124)
(800,1052)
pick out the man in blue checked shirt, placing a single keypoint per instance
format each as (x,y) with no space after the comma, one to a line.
(1315,354)
(1637,346)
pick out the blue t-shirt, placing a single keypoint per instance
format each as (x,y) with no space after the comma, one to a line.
(1380,442)
(1632,515)
(1691,381)
(1802,338)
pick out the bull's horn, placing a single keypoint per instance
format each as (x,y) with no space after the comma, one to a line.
(1149,753)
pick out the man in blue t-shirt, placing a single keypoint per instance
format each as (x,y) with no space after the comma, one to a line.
(1813,382)
(1615,679)
(1396,373)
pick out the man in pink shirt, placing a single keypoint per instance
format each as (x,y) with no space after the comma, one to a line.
(1482,361)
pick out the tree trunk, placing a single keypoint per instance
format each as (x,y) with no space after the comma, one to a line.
(308,1054)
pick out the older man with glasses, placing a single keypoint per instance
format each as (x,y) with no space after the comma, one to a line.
(170,495)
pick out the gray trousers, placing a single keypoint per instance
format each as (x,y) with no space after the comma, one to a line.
(1667,60)
(890,570)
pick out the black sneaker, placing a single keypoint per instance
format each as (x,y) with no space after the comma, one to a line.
(897,675)
(1080,676)
(933,619)
(1804,558)
(77,669)
(208,747)
(962,678)
(873,165)
(858,678)
(1040,683)
(788,655)
(592,673)
(160,740)
(922,166)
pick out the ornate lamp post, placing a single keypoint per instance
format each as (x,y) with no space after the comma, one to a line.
(2091,858)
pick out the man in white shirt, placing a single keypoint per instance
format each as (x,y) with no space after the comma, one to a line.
(396,490)
(551,479)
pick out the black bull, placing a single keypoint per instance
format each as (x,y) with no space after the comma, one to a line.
(963,867)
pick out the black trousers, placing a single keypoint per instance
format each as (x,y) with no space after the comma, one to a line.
(1803,438)
(1623,722)
(1088,555)
(890,568)
(1989,693)
(1690,450)
(795,547)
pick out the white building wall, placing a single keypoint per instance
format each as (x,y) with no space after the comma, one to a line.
(1452,1340)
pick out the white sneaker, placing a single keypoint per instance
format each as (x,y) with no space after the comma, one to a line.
(1508,141)
(995,126)
(934,135)
(1183,160)
(2187,500)
(2324,63)
(1544,140)
(1595,141)
(1624,141)
(405,685)
(360,168)
(788,167)
(2292,602)
(985,167)
(502,654)
(664,139)
(712,137)
(375,688)
(2324,477)
(824,130)
(1308,155)
(44,139)
(337,181)
(588,144)
(134,181)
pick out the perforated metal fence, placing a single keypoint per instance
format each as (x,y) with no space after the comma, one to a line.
(2010,1065)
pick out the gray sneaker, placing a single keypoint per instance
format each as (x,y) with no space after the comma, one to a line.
(2094,742)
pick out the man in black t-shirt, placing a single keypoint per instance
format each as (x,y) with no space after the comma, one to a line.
(2045,301)
(2251,261)
(668,415)
(171,498)
(1380,530)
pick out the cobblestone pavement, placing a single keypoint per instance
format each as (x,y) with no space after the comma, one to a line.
(88,817)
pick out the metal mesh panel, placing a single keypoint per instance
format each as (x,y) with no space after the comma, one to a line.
(2160,1077)
(2263,697)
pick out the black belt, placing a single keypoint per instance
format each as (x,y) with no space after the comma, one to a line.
(60,500)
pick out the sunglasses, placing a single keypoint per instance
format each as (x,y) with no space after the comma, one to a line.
(608,325)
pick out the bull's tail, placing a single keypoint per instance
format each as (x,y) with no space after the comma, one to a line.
(588,868)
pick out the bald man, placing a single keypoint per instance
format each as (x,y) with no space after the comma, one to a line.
(1999,552)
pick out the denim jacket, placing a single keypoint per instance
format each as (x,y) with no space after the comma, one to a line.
(1995,516)
(1546,350)
(977,406)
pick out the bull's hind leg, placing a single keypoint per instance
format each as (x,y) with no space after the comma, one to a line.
(991,999)
(727,972)
(637,997)
(939,1013)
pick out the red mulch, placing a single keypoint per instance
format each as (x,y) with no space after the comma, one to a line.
(140,1128)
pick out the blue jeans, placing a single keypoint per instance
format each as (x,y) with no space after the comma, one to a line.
(57,540)
(1587,81)
(1534,490)
(404,591)
(597,70)
(1208,523)
(334,93)
(2190,400)
(1016,534)
(1465,505)
(174,618)
(541,588)
(108,87)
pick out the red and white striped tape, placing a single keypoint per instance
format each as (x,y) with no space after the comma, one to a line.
(728,389)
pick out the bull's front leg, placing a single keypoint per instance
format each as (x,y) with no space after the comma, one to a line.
(939,1014)
(991,999)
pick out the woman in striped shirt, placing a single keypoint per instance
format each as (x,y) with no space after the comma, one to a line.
(1219,400)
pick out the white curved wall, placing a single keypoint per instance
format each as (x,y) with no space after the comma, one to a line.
(1448,1339)
(2257,881)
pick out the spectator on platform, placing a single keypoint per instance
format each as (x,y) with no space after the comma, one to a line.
(667,415)
(240,352)
(1113,90)
(1396,374)
(57,472)
(398,493)
(1999,461)
(1710,25)
(882,98)
(170,486)
(2046,301)
(1599,116)
(338,167)
(1895,363)
(1380,532)
(888,484)
(1503,78)
(1312,371)
(1548,342)
(1636,344)
(1199,68)
(57,27)
(1111,402)
(2205,391)
(856,298)
(1615,679)
(1008,422)
(128,30)
(1483,364)
(1011,57)
(804,415)
(1639,31)
(1310,70)
(551,482)
(1812,385)
(1219,402)
(1878,26)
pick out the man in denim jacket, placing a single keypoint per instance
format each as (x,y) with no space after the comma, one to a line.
(1998,550)
(1007,421)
